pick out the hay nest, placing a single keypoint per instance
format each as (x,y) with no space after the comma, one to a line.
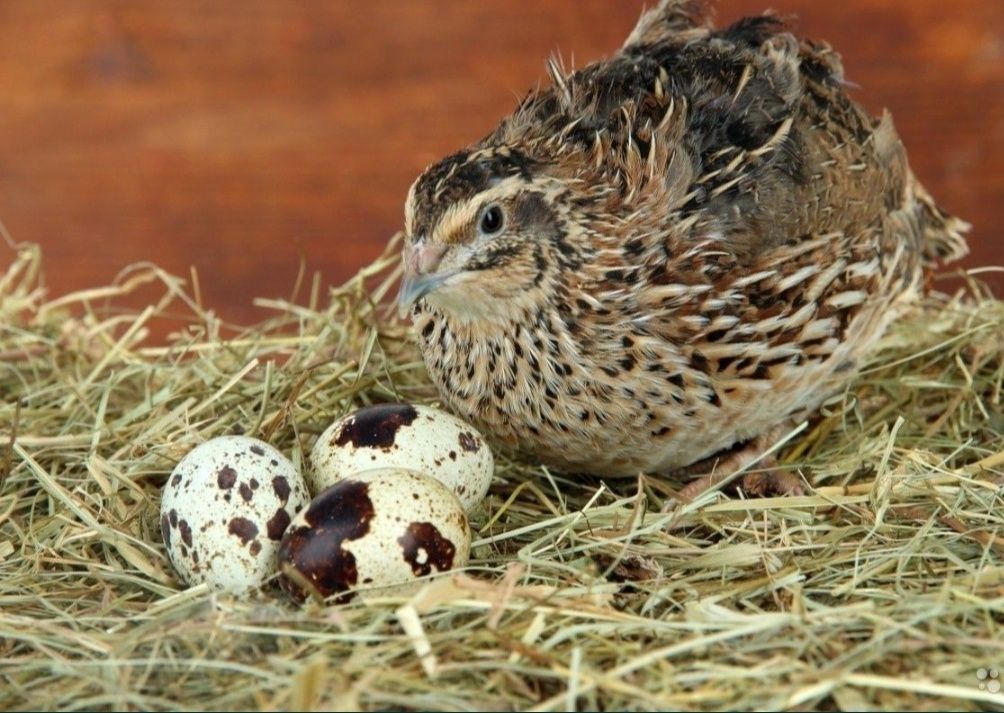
(881,588)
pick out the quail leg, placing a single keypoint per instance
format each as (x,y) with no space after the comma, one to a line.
(771,481)
(775,482)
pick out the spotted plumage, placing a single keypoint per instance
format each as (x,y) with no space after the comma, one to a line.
(669,252)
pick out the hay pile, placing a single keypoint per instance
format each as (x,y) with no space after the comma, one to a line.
(883,588)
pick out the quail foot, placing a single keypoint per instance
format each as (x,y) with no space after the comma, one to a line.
(663,256)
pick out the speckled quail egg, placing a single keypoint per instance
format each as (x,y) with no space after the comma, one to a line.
(380,528)
(418,438)
(224,510)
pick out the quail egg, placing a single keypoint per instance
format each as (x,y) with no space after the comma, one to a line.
(418,438)
(376,529)
(224,510)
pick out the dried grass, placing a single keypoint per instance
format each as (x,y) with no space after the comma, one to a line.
(881,588)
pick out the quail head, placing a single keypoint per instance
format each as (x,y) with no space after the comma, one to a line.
(667,254)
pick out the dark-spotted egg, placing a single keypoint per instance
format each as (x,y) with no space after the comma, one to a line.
(418,438)
(372,531)
(224,510)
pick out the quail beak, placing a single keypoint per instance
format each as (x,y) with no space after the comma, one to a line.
(414,288)
(420,261)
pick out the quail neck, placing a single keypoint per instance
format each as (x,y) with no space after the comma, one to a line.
(669,252)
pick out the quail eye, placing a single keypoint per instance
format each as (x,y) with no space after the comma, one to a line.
(491,220)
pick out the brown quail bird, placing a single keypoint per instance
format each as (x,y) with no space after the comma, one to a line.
(667,255)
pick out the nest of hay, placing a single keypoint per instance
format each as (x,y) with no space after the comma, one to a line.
(883,587)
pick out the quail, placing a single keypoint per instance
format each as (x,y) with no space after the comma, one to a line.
(660,259)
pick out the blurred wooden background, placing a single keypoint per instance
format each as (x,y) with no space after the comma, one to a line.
(240,135)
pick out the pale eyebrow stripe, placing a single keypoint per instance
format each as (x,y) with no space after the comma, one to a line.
(409,207)
(458,217)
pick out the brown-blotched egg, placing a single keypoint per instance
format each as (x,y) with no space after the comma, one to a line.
(379,528)
(224,510)
(418,438)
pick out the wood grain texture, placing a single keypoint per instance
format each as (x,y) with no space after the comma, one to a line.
(240,135)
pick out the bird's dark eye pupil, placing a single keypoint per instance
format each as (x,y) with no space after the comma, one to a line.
(491,221)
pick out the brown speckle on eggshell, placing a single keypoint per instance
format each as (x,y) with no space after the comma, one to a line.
(243,528)
(374,426)
(281,487)
(226,477)
(469,442)
(424,548)
(277,524)
(186,532)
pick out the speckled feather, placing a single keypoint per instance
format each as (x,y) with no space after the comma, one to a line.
(703,236)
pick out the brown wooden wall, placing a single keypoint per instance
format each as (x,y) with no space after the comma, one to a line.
(238,135)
